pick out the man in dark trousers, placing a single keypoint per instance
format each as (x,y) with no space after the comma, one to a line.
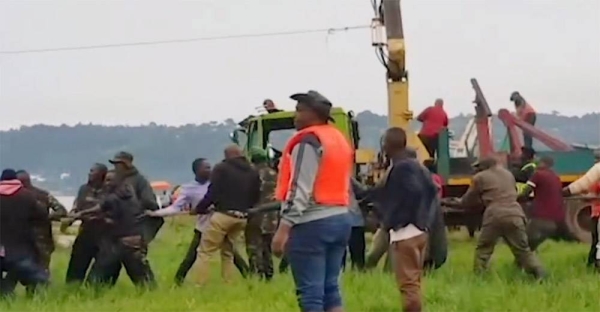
(124,244)
(190,195)
(19,215)
(87,243)
(548,214)
(408,212)
(234,188)
(434,119)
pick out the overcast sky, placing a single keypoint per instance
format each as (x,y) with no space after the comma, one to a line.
(547,49)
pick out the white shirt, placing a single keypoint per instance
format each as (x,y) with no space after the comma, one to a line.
(404,233)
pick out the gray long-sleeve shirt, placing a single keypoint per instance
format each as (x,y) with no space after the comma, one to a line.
(301,206)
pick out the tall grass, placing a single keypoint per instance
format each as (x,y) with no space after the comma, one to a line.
(569,287)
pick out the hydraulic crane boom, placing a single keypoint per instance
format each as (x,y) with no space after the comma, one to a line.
(483,115)
(389,15)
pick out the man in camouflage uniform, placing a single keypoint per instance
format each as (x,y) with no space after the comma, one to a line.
(124,243)
(494,188)
(128,173)
(261,226)
(43,231)
(86,245)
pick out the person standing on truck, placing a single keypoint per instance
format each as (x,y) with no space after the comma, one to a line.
(189,196)
(494,187)
(548,214)
(434,120)
(313,186)
(269,105)
(526,113)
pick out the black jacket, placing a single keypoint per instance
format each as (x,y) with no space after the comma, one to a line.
(407,196)
(123,210)
(234,185)
(19,215)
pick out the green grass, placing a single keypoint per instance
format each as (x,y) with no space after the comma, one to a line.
(570,286)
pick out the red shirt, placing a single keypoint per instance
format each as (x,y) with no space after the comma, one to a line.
(434,119)
(595,191)
(439,183)
(548,199)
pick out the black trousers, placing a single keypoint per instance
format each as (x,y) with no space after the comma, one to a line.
(192,253)
(84,250)
(527,139)
(430,143)
(357,247)
(593,249)
(131,252)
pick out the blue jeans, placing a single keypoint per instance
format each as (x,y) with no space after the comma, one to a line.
(24,270)
(315,251)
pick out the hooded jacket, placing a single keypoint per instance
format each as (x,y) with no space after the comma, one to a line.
(235,186)
(19,214)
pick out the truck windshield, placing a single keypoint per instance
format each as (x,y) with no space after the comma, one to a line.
(278,138)
(278,131)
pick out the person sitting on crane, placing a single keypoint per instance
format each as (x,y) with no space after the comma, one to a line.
(270,106)
(526,113)
(434,119)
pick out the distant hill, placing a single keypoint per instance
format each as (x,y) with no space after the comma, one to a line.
(163,152)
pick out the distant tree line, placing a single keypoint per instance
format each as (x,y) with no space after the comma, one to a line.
(165,153)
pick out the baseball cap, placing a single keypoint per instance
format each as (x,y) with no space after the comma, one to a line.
(316,101)
(121,157)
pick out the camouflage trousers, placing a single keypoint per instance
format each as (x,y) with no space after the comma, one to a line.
(131,252)
(44,255)
(258,248)
(513,231)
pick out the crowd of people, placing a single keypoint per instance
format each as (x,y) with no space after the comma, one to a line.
(308,212)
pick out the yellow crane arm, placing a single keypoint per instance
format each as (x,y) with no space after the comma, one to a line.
(399,113)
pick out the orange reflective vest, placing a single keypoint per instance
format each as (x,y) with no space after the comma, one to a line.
(331,186)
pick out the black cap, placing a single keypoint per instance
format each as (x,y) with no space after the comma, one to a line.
(121,157)
(515,95)
(316,101)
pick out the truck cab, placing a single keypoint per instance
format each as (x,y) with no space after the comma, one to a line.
(271,132)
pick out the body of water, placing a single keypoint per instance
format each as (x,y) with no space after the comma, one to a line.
(67,201)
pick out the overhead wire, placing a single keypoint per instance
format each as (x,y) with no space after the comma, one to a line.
(328,31)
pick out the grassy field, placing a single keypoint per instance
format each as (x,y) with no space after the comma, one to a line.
(570,286)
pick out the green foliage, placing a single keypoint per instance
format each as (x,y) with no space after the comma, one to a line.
(164,153)
(570,287)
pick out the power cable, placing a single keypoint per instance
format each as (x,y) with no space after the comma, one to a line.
(329,31)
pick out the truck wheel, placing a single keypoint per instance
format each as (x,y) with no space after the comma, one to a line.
(579,221)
